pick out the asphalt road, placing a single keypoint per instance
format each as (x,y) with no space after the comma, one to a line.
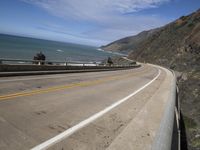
(34,109)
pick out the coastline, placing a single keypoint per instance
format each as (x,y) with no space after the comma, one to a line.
(115,53)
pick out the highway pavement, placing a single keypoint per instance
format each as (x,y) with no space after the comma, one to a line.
(94,110)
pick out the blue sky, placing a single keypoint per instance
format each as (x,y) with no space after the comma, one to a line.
(90,22)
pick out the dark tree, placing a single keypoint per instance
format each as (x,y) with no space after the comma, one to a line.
(39,56)
(109,61)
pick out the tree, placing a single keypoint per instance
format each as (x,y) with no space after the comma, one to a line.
(39,56)
(109,61)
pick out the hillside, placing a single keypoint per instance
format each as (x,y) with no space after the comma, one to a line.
(176,46)
(127,44)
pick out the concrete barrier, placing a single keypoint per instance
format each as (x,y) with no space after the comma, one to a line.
(27,67)
(22,70)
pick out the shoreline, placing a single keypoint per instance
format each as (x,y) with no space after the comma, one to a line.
(111,52)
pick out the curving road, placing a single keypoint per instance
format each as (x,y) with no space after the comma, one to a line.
(96,110)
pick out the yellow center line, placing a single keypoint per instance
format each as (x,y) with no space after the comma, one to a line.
(57,88)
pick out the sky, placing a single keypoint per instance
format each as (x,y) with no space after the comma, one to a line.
(89,22)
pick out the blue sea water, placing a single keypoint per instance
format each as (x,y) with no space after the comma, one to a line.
(16,47)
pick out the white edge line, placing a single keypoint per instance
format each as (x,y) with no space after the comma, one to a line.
(83,123)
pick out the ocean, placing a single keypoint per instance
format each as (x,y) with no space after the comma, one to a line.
(15,47)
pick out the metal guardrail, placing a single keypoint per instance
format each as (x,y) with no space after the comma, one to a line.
(168,136)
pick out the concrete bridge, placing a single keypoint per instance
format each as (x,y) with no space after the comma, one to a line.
(124,109)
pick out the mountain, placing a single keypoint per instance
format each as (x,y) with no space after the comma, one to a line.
(127,44)
(176,46)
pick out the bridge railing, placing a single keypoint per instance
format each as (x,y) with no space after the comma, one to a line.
(42,62)
(59,63)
